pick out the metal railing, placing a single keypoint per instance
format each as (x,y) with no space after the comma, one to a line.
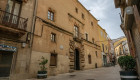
(78,35)
(10,20)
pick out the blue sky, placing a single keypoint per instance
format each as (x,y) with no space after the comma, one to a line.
(105,11)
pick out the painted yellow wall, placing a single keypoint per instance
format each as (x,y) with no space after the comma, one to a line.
(103,39)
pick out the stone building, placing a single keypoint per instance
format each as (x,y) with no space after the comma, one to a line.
(65,33)
(15,29)
(121,47)
(105,45)
(130,17)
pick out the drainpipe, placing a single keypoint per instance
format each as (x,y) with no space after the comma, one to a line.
(32,28)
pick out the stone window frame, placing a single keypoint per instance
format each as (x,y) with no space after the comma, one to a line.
(76,10)
(96,53)
(93,40)
(91,23)
(86,36)
(89,59)
(53,37)
(83,16)
(76,31)
(55,57)
(51,13)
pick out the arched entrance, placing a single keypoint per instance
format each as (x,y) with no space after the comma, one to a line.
(77,60)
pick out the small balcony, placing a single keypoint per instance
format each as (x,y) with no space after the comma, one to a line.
(78,37)
(12,24)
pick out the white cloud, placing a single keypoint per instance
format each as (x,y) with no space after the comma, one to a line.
(104,10)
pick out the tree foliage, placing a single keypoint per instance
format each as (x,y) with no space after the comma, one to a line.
(42,63)
(127,62)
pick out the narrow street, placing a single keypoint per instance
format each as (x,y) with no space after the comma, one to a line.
(105,73)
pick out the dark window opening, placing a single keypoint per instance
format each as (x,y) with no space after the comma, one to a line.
(91,23)
(89,59)
(103,47)
(96,53)
(86,36)
(83,16)
(76,10)
(93,40)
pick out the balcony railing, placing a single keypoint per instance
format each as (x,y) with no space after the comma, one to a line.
(78,36)
(13,21)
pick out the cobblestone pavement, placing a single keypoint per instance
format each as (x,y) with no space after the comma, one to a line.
(104,73)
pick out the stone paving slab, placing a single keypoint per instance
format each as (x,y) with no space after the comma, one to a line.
(105,73)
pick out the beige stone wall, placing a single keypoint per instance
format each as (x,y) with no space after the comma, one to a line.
(65,18)
(90,50)
(21,59)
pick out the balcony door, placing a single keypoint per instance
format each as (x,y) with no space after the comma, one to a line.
(76,31)
(13,9)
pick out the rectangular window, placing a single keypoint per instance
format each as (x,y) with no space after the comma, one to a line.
(103,47)
(53,37)
(101,33)
(76,10)
(86,36)
(51,15)
(96,53)
(53,59)
(83,16)
(89,59)
(91,23)
(93,40)
(76,31)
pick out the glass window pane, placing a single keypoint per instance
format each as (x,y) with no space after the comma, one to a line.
(49,14)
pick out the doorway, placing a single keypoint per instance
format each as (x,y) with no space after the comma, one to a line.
(104,60)
(77,59)
(5,63)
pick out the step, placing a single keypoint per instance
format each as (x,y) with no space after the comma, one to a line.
(4,78)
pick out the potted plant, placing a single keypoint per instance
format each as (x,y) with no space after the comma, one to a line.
(42,73)
(128,64)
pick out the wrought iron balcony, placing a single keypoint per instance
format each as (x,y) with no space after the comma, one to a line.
(78,36)
(12,21)
(12,26)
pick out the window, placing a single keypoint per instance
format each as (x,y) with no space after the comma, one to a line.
(86,36)
(51,15)
(53,37)
(103,47)
(89,59)
(91,23)
(83,16)
(76,10)
(96,53)
(106,47)
(93,40)
(101,33)
(76,31)
(53,59)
